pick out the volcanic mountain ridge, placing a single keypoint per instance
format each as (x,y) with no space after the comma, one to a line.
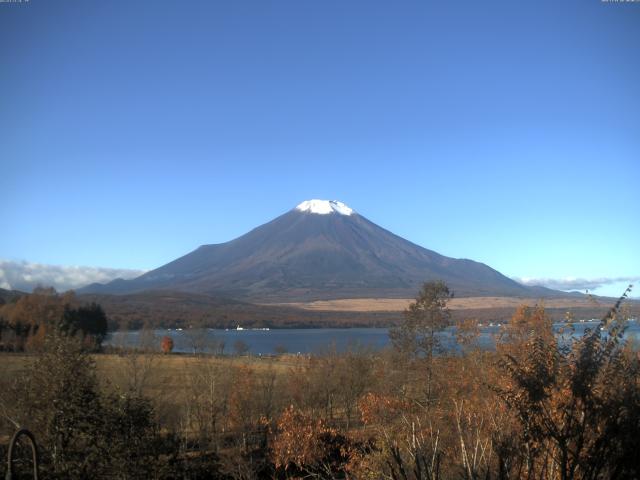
(319,250)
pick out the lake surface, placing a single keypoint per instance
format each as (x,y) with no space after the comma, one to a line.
(305,341)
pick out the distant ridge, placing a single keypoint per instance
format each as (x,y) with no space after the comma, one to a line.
(8,296)
(321,249)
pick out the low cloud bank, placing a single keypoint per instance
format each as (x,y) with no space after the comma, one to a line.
(572,283)
(26,276)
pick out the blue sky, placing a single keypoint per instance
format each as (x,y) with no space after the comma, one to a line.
(506,132)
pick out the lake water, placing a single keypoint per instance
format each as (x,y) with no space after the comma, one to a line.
(304,341)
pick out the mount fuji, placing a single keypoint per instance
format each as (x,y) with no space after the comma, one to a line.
(319,250)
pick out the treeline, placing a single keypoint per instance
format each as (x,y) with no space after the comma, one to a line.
(159,309)
(26,320)
(163,309)
(539,407)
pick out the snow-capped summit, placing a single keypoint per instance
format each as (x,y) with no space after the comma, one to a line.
(323,207)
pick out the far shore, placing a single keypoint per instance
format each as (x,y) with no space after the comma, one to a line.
(399,304)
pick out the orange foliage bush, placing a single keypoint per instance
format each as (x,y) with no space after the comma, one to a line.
(378,409)
(166,344)
(311,448)
(297,439)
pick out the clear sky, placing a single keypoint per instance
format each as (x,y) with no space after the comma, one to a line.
(508,132)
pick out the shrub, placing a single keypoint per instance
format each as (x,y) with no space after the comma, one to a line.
(166,344)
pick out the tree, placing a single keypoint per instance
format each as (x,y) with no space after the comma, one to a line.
(577,406)
(280,349)
(209,383)
(166,344)
(304,447)
(130,436)
(416,336)
(82,431)
(240,347)
(89,320)
(354,378)
(197,340)
(62,404)
(24,316)
(29,318)
(424,317)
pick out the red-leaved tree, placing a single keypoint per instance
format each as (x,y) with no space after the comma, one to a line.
(166,344)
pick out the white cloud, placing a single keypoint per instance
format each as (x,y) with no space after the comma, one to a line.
(27,275)
(574,283)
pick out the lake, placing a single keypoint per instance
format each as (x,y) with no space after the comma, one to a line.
(305,341)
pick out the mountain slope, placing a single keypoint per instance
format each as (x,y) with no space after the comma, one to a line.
(318,250)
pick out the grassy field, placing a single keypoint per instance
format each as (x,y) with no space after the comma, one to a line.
(156,373)
(174,383)
(399,304)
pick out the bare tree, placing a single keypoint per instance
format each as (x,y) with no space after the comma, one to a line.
(197,340)
(240,347)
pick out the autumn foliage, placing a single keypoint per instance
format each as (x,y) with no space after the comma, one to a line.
(25,322)
(166,344)
(539,406)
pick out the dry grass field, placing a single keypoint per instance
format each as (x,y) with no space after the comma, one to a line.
(156,374)
(399,304)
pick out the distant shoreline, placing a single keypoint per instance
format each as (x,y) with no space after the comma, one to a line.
(463,303)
